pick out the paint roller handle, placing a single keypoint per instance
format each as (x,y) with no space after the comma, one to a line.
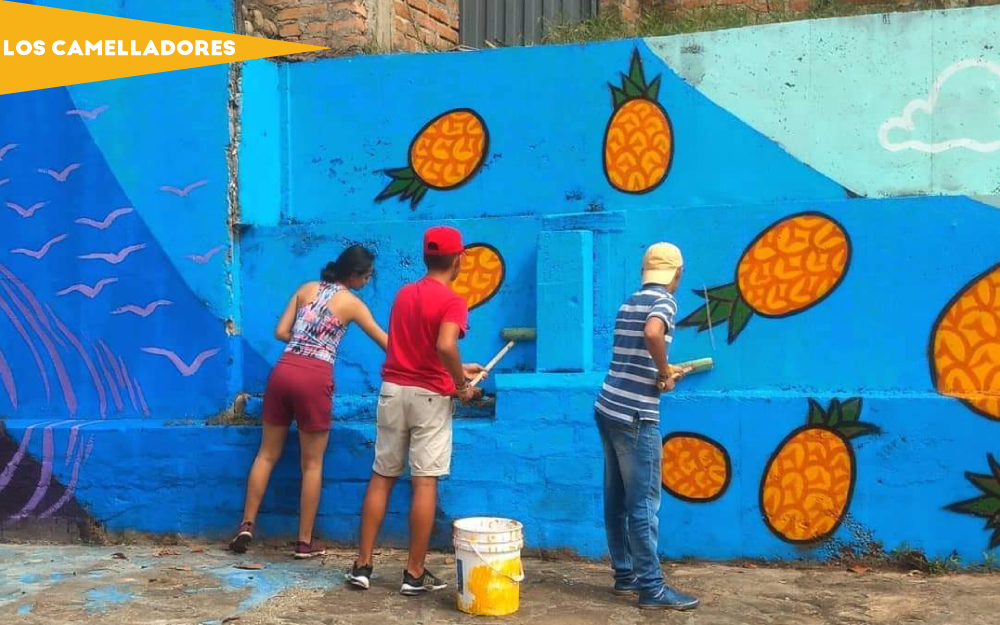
(489,366)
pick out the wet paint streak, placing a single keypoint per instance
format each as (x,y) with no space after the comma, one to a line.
(8,380)
(113,361)
(68,493)
(142,398)
(27,339)
(128,383)
(44,481)
(28,295)
(73,432)
(71,443)
(67,388)
(102,398)
(111,381)
(8,471)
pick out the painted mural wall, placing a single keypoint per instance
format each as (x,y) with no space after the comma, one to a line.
(838,222)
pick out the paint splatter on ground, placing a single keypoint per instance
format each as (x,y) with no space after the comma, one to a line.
(152,585)
(105,598)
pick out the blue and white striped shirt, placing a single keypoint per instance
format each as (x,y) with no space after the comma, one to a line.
(629,390)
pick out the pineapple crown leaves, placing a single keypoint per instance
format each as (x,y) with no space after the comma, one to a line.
(725,304)
(987,505)
(406,184)
(634,84)
(842,417)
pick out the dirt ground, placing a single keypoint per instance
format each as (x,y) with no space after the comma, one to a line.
(205,585)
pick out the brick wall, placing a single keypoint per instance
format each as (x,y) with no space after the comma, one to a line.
(349,26)
(424,24)
(630,9)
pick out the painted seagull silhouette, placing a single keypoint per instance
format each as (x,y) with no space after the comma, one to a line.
(185,369)
(110,219)
(186,190)
(92,114)
(112,258)
(201,259)
(25,212)
(142,311)
(89,291)
(42,252)
(61,176)
(7,148)
(4,181)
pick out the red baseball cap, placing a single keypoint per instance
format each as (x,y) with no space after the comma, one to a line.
(443,241)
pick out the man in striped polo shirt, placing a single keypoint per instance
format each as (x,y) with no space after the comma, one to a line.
(627,412)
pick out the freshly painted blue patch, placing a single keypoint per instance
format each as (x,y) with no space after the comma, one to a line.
(24,609)
(30,578)
(103,598)
(276,578)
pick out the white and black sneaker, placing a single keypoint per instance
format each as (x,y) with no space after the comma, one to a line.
(427,582)
(360,576)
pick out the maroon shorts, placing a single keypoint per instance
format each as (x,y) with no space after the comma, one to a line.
(300,387)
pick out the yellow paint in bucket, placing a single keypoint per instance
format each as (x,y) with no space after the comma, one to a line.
(488,558)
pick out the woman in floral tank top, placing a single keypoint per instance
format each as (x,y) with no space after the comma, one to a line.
(301,385)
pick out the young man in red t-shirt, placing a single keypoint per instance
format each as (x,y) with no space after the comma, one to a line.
(423,370)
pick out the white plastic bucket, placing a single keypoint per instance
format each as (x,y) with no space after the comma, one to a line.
(488,559)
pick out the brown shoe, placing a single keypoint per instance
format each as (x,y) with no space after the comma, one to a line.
(309,549)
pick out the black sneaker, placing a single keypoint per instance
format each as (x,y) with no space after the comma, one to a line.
(413,586)
(360,576)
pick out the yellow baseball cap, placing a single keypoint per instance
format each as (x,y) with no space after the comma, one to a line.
(660,263)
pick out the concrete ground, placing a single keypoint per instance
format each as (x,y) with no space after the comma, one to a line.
(204,584)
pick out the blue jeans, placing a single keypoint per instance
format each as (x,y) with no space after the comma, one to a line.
(632,463)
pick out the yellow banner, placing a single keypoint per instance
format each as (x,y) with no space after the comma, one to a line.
(42,47)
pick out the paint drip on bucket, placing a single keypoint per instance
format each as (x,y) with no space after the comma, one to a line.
(488,561)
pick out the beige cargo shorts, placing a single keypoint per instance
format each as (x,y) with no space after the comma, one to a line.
(416,421)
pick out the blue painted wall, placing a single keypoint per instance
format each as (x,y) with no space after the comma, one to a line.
(316,138)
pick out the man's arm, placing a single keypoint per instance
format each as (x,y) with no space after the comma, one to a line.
(655,335)
(451,358)
(447,349)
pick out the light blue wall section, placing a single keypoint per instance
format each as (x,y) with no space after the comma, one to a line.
(566,292)
(263,143)
(824,88)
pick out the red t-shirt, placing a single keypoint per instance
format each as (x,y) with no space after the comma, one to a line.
(411,359)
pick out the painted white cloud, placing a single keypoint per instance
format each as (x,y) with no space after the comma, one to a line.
(906,125)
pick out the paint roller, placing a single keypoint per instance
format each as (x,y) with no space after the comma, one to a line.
(511,335)
(514,335)
(700,365)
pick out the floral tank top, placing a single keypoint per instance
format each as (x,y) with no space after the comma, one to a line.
(316,332)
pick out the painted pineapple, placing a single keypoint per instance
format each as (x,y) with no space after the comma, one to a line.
(965,345)
(791,266)
(695,468)
(480,276)
(446,153)
(639,140)
(809,479)
(986,505)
